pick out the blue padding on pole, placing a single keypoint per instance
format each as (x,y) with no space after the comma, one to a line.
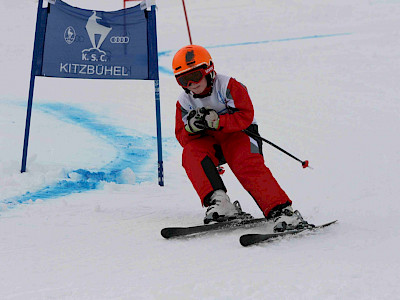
(154,74)
(159,139)
(37,61)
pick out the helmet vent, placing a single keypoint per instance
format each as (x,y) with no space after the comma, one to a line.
(189,57)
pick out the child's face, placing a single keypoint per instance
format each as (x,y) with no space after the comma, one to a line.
(198,88)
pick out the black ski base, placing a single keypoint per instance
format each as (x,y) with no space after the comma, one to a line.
(252,239)
(172,232)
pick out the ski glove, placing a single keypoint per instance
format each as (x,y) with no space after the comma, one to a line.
(200,119)
(195,121)
(212,119)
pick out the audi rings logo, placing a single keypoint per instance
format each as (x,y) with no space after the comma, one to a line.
(119,39)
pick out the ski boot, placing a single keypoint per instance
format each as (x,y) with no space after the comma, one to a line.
(220,209)
(286,219)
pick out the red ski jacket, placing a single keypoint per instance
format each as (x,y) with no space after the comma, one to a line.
(229,98)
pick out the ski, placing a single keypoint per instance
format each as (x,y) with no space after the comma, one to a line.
(171,232)
(252,239)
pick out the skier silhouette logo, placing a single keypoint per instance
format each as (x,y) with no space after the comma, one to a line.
(69,35)
(93,28)
(97,34)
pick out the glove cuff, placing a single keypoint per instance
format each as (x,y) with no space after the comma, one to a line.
(188,129)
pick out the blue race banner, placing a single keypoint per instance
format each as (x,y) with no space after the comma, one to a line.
(76,43)
(91,44)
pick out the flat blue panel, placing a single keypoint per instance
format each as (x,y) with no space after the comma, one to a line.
(90,44)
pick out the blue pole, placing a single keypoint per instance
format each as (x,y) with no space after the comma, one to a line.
(154,74)
(35,70)
(159,139)
(27,124)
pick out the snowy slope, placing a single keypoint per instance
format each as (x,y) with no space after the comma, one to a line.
(323,79)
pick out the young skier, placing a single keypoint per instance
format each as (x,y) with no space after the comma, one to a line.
(211,115)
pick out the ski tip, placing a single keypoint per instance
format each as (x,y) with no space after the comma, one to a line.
(243,242)
(166,233)
(173,232)
(322,225)
(248,239)
(333,222)
(330,223)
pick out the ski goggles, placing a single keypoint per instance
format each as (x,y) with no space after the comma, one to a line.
(193,76)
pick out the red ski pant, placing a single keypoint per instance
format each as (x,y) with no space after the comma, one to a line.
(199,160)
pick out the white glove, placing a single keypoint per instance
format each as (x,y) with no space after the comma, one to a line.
(212,119)
(202,118)
(196,121)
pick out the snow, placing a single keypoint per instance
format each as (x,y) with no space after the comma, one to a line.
(84,222)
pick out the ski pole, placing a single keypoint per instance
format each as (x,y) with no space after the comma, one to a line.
(254,135)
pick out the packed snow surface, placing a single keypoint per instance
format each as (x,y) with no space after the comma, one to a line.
(84,221)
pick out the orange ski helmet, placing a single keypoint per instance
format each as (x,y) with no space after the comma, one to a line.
(191,57)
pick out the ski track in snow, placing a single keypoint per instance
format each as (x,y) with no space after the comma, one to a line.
(129,166)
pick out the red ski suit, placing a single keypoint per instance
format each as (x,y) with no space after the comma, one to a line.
(203,151)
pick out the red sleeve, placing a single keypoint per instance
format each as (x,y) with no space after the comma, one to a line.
(243,112)
(181,134)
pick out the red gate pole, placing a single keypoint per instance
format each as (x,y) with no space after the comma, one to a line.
(187,22)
